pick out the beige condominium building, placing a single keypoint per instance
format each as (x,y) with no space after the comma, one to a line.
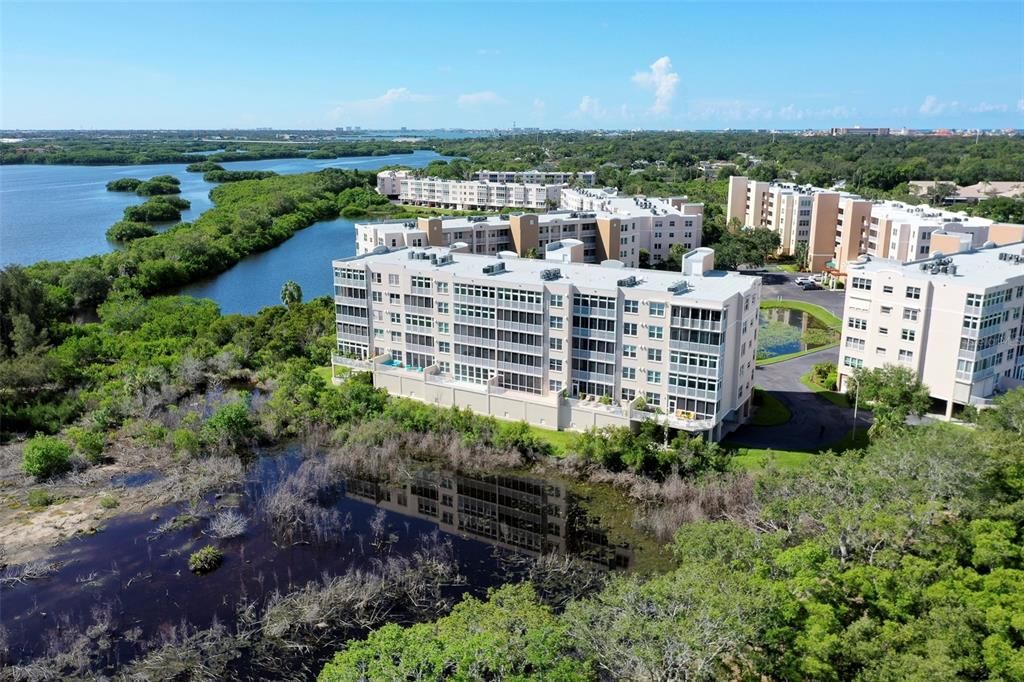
(838,227)
(538,177)
(466,195)
(561,345)
(954,319)
(621,230)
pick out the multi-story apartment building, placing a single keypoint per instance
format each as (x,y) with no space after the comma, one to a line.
(537,177)
(621,229)
(561,345)
(466,195)
(955,320)
(859,132)
(838,227)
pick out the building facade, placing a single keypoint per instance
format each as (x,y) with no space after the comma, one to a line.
(623,229)
(561,345)
(838,227)
(537,177)
(955,320)
(466,195)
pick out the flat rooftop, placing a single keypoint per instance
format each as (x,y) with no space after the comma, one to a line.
(924,213)
(713,285)
(981,268)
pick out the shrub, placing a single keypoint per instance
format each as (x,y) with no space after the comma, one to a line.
(127,230)
(90,444)
(39,498)
(230,427)
(46,456)
(123,185)
(153,434)
(228,524)
(109,502)
(205,560)
(185,442)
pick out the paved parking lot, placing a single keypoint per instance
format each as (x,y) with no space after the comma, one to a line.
(830,300)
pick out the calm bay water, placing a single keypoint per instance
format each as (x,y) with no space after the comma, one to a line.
(62,212)
(255,282)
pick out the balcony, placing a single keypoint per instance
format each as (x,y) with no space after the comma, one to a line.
(702,325)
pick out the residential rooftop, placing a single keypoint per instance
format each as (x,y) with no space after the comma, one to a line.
(697,281)
(989,266)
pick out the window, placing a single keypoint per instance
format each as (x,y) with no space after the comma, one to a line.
(653,399)
(854,343)
(442,307)
(442,287)
(555,365)
(556,322)
(655,332)
(974,300)
(629,328)
(628,351)
(914,292)
(886,309)
(628,394)
(887,289)
(377,297)
(631,306)
(556,301)
(395,299)
(883,331)
(444,347)
(853,362)
(879,350)
(907,334)
(857,323)
(910,314)
(654,354)
(657,309)
(555,386)
(396,318)
(396,337)
(393,280)
(555,343)
(860,283)
(906,356)
(653,376)
(629,373)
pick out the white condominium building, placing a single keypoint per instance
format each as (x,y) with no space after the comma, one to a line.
(955,320)
(838,227)
(465,195)
(537,177)
(560,345)
(621,231)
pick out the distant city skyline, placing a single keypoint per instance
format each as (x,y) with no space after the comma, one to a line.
(920,65)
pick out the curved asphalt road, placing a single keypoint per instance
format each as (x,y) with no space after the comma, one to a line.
(816,423)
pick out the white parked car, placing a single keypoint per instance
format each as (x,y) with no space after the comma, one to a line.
(803,280)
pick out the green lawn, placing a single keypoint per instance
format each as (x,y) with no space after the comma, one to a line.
(770,410)
(325,372)
(753,459)
(833,397)
(560,441)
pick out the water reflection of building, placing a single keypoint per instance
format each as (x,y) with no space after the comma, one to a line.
(794,318)
(522,514)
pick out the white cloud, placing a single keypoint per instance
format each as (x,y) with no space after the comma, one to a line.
(488,51)
(932,106)
(663,80)
(590,107)
(985,108)
(475,99)
(376,105)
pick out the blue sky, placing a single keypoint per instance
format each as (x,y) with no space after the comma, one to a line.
(487,64)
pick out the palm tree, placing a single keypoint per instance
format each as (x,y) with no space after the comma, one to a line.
(291,293)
